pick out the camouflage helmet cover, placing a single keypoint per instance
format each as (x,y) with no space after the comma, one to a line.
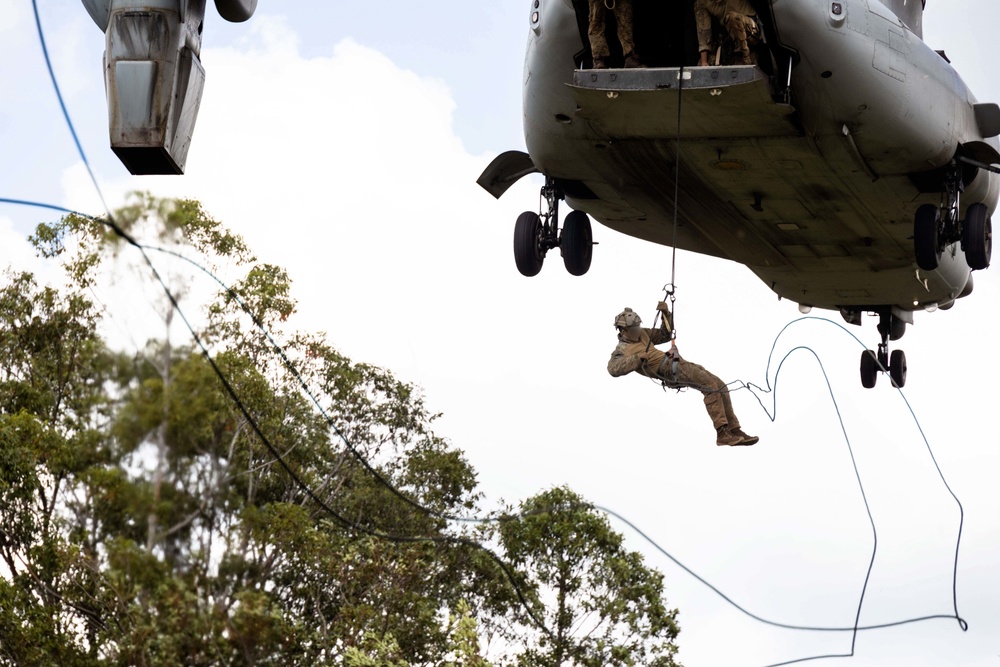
(627,318)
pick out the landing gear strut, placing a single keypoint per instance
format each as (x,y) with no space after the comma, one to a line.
(535,234)
(891,328)
(937,227)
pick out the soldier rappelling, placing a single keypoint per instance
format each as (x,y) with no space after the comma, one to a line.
(636,353)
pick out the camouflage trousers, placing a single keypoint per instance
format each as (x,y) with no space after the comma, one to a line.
(744,32)
(598,16)
(717,401)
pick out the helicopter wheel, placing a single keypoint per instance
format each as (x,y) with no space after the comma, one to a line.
(926,237)
(869,369)
(577,243)
(977,237)
(897,368)
(528,253)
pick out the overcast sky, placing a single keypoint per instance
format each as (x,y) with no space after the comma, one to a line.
(343,141)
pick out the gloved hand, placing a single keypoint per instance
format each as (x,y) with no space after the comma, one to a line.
(663,307)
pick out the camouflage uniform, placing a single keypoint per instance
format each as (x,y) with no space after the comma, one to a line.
(739,20)
(640,356)
(623,15)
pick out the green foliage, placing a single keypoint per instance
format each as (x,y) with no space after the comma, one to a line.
(375,651)
(179,222)
(608,606)
(464,639)
(144,521)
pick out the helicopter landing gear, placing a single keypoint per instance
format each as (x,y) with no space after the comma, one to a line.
(937,227)
(577,243)
(873,363)
(529,247)
(927,229)
(535,235)
(977,237)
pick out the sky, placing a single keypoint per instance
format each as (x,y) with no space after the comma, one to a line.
(343,141)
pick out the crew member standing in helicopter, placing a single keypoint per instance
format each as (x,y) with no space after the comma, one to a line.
(635,353)
(599,49)
(738,19)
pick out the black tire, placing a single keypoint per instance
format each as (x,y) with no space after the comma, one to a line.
(977,237)
(577,243)
(527,251)
(869,369)
(897,368)
(926,237)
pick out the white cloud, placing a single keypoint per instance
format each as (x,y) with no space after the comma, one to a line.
(11,15)
(18,255)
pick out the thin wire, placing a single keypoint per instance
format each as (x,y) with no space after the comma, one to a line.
(287,363)
(963,624)
(62,104)
(772,415)
(346,523)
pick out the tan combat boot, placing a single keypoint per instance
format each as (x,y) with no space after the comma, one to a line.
(747,439)
(632,61)
(727,437)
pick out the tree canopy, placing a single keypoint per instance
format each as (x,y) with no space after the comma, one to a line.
(148,518)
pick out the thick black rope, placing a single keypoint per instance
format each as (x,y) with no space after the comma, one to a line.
(677,193)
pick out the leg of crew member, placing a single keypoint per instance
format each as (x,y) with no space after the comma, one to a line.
(623,14)
(599,50)
(743,31)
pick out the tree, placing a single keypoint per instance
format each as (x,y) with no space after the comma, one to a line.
(608,607)
(240,504)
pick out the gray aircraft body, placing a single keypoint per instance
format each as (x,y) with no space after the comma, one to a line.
(850,169)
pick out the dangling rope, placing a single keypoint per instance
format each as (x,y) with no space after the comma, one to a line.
(677,189)
(670,288)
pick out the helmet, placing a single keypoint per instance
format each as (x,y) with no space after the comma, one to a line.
(627,318)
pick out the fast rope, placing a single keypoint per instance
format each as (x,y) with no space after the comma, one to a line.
(670,289)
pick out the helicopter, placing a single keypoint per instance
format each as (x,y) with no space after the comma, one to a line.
(850,167)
